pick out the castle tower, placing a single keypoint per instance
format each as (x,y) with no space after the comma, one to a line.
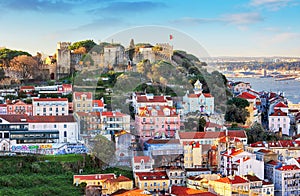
(198,87)
(63,54)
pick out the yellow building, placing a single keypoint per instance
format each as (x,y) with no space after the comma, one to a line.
(92,179)
(112,185)
(82,101)
(192,154)
(152,181)
(253,112)
(230,185)
(108,182)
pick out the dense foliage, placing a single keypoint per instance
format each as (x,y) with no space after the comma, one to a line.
(48,175)
(87,44)
(236,110)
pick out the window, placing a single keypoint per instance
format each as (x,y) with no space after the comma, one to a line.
(63,109)
(56,109)
(54,125)
(65,126)
(44,109)
(6,135)
(144,119)
(145,184)
(0,135)
(78,105)
(50,109)
(65,134)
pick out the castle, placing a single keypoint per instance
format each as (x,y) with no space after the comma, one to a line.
(67,61)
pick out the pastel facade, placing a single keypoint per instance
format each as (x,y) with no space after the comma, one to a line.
(198,101)
(192,154)
(287,180)
(50,106)
(152,181)
(279,120)
(141,100)
(19,107)
(82,101)
(157,122)
(231,185)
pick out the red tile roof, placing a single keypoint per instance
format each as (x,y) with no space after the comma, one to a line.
(23,118)
(27,88)
(258,144)
(151,175)
(246,95)
(143,98)
(98,102)
(94,177)
(119,179)
(184,191)
(112,114)
(244,159)
(50,99)
(265,151)
(288,167)
(210,134)
(278,113)
(272,162)
(193,95)
(233,153)
(138,159)
(207,95)
(281,105)
(232,180)
(252,178)
(79,94)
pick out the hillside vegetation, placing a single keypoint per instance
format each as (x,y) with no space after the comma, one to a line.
(46,175)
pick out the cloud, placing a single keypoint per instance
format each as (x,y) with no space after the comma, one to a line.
(272,5)
(284,37)
(128,7)
(100,23)
(239,19)
(40,5)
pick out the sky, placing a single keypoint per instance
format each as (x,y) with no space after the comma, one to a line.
(218,27)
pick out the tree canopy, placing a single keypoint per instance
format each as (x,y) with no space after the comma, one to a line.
(236,110)
(87,44)
(7,55)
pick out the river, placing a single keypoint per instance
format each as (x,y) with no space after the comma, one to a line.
(291,88)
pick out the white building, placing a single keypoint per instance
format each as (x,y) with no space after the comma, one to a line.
(247,165)
(198,101)
(24,129)
(279,120)
(287,180)
(50,106)
(229,161)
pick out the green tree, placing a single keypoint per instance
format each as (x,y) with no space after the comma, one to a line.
(6,55)
(201,124)
(87,44)
(256,133)
(238,102)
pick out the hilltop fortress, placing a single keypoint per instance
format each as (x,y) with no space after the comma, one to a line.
(113,56)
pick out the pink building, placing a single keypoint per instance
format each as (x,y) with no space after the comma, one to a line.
(157,122)
(19,107)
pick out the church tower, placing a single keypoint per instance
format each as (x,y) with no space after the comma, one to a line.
(198,87)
